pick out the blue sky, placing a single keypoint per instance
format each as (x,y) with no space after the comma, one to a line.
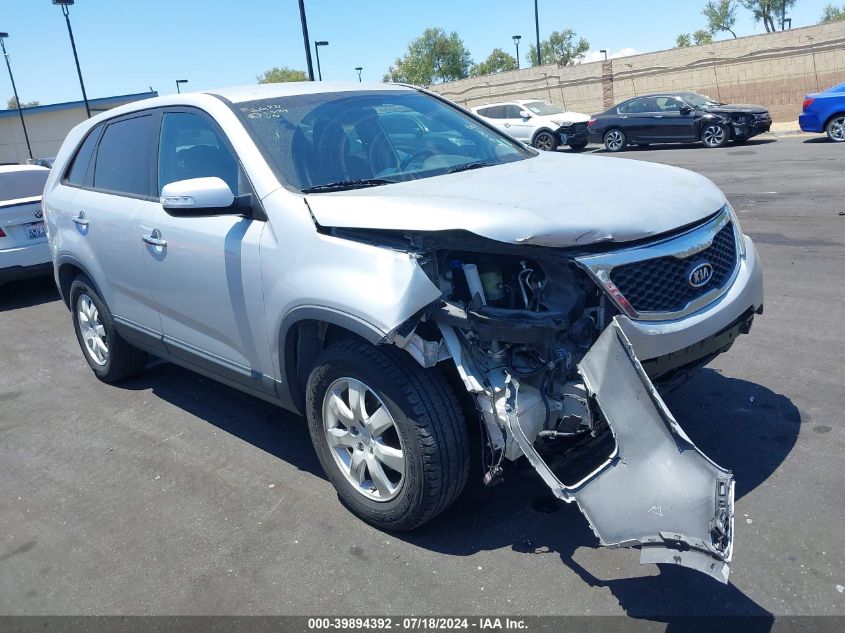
(126,46)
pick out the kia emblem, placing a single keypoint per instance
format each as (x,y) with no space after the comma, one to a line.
(700,275)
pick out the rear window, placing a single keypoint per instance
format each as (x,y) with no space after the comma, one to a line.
(123,157)
(76,174)
(27,183)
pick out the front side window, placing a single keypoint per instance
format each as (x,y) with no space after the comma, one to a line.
(123,157)
(79,167)
(318,140)
(668,104)
(541,108)
(190,147)
(513,111)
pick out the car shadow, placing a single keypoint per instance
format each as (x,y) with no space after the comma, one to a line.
(264,425)
(676,146)
(818,139)
(28,293)
(739,424)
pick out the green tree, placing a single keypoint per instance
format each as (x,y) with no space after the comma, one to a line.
(277,75)
(702,37)
(832,13)
(721,15)
(683,40)
(433,57)
(12,104)
(561,49)
(769,12)
(496,62)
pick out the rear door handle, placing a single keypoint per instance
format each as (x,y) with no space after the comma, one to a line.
(154,239)
(80,219)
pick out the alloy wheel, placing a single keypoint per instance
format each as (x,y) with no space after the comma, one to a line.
(836,129)
(614,140)
(713,135)
(544,142)
(363,439)
(92,330)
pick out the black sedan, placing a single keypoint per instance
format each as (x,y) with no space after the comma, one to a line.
(680,117)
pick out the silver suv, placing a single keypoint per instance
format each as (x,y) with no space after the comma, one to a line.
(399,282)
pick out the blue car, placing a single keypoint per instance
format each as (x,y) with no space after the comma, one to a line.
(825,112)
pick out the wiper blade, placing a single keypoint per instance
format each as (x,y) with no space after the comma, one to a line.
(468,166)
(345,185)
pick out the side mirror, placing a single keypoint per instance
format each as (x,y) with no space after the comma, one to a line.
(685,110)
(525,114)
(202,196)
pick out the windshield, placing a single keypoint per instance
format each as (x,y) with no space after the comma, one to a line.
(541,108)
(697,100)
(317,142)
(23,183)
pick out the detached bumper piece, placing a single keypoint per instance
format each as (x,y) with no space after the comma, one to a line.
(657,491)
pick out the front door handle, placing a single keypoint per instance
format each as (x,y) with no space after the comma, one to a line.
(154,239)
(80,219)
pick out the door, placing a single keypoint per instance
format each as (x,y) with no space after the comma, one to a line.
(518,127)
(636,119)
(497,116)
(114,192)
(670,124)
(204,272)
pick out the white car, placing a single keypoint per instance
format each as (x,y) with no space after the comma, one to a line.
(399,272)
(23,243)
(537,123)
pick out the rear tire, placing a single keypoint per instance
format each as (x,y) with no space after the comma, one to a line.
(545,141)
(410,414)
(110,357)
(615,140)
(835,128)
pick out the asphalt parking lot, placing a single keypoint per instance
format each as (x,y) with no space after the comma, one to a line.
(172,494)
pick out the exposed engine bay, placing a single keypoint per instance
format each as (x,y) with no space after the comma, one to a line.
(538,345)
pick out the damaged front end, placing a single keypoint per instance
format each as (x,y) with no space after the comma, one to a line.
(537,344)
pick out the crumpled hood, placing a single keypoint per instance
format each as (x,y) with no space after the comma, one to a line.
(553,199)
(566,117)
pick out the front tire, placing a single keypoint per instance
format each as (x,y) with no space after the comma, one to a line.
(390,435)
(578,146)
(615,140)
(110,357)
(835,129)
(715,135)
(545,141)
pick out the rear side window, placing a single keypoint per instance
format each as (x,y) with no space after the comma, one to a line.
(79,166)
(123,157)
(496,112)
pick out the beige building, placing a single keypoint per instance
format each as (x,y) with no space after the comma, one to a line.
(48,125)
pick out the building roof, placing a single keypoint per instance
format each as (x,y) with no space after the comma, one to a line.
(101,104)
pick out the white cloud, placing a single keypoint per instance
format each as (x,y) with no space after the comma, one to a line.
(597,56)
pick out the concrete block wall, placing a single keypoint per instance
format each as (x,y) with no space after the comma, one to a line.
(775,70)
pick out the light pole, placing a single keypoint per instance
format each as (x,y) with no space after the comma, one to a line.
(516,39)
(305,40)
(66,12)
(317,46)
(3,36)
(537,32)
(604,52)
(359,69)
(179,82)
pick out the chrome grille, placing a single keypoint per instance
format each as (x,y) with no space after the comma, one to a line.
(662,284)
